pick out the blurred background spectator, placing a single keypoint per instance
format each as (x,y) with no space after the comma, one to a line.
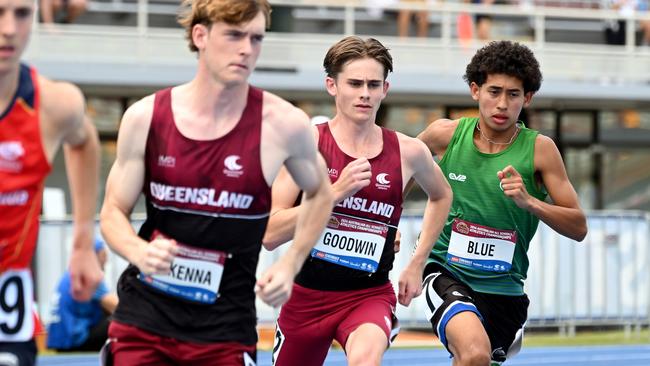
(483,22)
(615,28)
(61,11)
(642,8)
(81,326)
(404,20)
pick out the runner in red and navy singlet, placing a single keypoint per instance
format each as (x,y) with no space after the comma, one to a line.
(31,129)
(23,169)
(37,116)
(211,198)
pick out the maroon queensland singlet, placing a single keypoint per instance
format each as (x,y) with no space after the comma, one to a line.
(356,249)
(211,197)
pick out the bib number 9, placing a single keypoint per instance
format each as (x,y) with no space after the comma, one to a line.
(9,307)
(16,322)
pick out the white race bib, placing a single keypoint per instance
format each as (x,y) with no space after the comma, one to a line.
(352,242)
(195,275)
(16,304)
(481,247)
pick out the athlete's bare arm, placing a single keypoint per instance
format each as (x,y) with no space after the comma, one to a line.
(282,223)
(417,163)
(123,188)
(564,215)
(66,123)
(287,137)
(438,135)
(109,303)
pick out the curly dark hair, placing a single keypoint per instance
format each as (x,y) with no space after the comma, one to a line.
(505,57)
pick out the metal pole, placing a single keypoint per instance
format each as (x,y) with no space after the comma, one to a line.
(348,27)
(143,16)
(540,30)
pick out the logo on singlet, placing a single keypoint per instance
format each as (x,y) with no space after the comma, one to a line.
(334,222)
(166,161)
(232,168)
(462,228)
(363,205)
(15,198)
(457,177)
(333,172)
(382,181)
(200,196)
(10,153)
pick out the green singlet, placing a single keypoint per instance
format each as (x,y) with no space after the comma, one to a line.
(485,239)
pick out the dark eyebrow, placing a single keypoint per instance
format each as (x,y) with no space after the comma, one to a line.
(370,81)
(494,87)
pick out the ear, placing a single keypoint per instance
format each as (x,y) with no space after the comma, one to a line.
(386,85)
(474,90)
(200,35)
(528,97)
(330,85)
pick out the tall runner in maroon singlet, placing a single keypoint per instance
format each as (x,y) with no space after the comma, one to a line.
(204,154)
(37,116)
(343,291)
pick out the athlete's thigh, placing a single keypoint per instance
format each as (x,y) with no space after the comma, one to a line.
(133,346)
(303,334)
(466,336)
(300,347)
(451,310)
(376,308)
(18,353)
(218,354)
(503,318)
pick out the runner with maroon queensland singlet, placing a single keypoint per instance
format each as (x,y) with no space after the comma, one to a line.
(204,154)
(343,291)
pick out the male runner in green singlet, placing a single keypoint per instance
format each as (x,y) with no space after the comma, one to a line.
(501,173)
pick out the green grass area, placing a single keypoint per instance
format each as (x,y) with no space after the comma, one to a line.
(586,338)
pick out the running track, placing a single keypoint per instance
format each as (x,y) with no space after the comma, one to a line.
(638,355)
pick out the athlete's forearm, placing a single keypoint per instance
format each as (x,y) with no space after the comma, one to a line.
(82,165)
(568,221)
(281,227)
(314,214)
(118,232)
(435,216)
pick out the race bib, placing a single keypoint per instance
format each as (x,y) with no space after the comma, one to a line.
(195,274)
(481,247)
(16,304)
(352,242)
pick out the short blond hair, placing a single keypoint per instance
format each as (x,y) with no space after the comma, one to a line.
(207,12)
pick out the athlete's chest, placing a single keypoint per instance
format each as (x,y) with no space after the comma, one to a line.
(21,147)
(205,175)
